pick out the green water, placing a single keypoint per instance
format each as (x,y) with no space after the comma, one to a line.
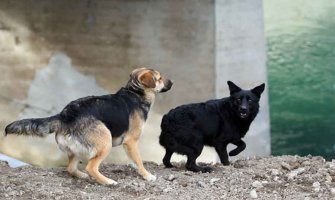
(301,67)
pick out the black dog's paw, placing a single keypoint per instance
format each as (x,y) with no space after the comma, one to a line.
(225,163)
(168,165)
(206,170)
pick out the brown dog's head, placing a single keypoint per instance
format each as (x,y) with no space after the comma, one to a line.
(143,79)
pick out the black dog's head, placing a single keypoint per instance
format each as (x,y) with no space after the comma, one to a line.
(245,103)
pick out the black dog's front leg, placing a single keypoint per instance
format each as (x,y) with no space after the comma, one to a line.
(240,147)
(221,149)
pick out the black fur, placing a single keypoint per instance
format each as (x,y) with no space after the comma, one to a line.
(187,128)
(113,110)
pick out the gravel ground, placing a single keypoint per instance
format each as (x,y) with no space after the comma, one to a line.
(283,177)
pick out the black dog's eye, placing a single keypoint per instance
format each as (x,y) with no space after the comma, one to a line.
(249,100)
(238,100)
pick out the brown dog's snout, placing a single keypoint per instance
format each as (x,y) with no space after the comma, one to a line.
(167,85)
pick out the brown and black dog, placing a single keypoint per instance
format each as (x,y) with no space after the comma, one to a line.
(87,128)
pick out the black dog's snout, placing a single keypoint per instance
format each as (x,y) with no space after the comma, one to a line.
(243,109)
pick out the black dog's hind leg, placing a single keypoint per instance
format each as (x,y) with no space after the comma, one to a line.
(191,164)
(240,147)
(167,158)
(221,149)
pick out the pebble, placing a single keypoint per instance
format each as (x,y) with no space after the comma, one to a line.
(257,184)
(294,165)
(274,172)
(253,194)
(329,179)
(306,163)
(187,173)
(201,184)
(167,190)
(171,177)
(294,173)
(213,180)
(286,166)
(183,183)
(316,186)
(332,191)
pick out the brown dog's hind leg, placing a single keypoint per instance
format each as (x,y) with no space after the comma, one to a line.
(72,167)
(101,139)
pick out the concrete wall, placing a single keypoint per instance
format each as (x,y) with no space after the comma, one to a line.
(56,51)
(104,40)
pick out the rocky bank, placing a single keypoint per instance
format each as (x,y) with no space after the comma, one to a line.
(282,177)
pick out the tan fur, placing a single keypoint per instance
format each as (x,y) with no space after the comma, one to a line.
(148,80)
(131,141)
(101,140)
(72,167)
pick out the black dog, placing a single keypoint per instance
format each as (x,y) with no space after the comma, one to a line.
(187,128)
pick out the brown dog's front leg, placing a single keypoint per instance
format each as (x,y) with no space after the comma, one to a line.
(131,147)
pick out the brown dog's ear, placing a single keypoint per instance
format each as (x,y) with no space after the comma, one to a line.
(147,80)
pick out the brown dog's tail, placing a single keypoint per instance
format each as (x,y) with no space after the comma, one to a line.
(36,127)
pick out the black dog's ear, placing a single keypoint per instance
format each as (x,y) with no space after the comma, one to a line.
(258,90)
(233,88)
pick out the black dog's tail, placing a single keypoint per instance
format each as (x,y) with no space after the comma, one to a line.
(164,130)
(168,128)
(36,127)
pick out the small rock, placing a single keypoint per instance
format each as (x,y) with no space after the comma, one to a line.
(213,180)
(306,163)
(201,184)
(329,179)
(224,196)
(274,172)
(286,166)
(167,190)
(294,165)
(171,177)
(316,186)
(183,183)
(253,194)
(294,173)
(83,193)
(188,173)
(240,164)
(332,191)
(257,184)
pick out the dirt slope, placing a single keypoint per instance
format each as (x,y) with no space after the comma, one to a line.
(284,177)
